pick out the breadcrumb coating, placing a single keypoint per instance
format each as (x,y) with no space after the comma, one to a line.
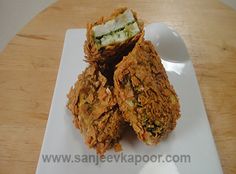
(144,94)
(95,110)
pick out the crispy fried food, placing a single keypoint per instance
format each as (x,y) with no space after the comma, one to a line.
(125,81)
(109,39)
(95,110)
(145,95)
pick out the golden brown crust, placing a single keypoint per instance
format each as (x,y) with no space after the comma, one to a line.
(95,110)
(138,92)
(95,55)
(118,147)
(145,95)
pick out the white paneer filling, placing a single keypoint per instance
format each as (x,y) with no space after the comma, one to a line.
(120,36)
(116,30)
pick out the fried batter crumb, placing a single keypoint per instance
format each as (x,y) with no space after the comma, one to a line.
(117,147)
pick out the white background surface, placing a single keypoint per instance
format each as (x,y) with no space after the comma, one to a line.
(231,3)
(14,14)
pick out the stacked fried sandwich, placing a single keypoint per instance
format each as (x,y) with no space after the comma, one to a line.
(125,83)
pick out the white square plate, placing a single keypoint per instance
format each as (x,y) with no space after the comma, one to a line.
(192,135)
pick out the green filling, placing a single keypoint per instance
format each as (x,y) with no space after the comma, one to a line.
(122,34)
(112,32)
(155,128)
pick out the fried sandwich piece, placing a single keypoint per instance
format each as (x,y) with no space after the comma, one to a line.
(144,94)
(110,38)
(95,110)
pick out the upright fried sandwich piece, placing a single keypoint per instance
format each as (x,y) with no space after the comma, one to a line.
(108,39)
(144,94)
(95,110)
